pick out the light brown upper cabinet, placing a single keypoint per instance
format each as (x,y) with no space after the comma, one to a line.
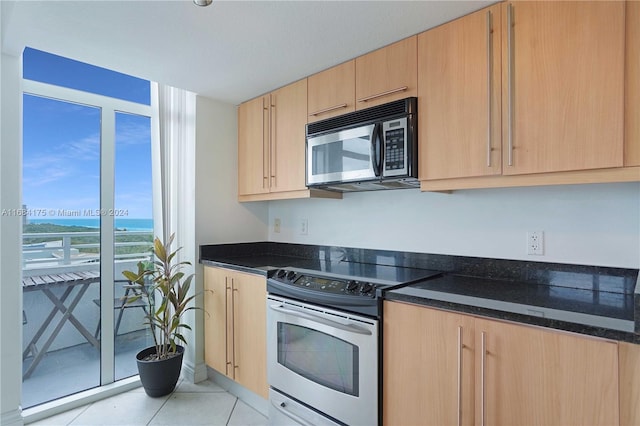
(387,74)
(332,92)
(632,100)
(253,146)
(563,85)
(530,93)
(459,103)
(288,119)
(271,141)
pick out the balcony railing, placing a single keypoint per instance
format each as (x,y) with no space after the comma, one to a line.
(53,316)
(55,250)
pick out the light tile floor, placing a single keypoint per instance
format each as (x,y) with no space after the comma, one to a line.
(202,403)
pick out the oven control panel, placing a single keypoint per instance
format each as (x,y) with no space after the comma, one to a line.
(326,285)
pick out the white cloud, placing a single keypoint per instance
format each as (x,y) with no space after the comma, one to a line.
(66,161)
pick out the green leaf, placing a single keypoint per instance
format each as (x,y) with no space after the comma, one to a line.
(159,249)
(181,338)
(130,276)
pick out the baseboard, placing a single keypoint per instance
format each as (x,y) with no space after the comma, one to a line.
(12,418)
(252,399)
(195,374)
(70,402)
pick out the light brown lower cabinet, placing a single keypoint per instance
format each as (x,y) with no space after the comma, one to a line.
(629,358)
(443,368)
(235,326)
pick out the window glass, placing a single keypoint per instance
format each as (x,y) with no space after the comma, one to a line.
(133,234)
(319,357)
(52,69)
(61,241)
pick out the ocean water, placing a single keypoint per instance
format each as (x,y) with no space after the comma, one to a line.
(121,223)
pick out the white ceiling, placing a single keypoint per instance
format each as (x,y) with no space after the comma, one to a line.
(231,50)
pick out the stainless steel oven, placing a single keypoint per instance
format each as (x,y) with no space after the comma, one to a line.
(323,342)
(323,358)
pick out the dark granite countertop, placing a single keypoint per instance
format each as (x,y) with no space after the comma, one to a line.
(591,300)
(265,264)
(588,311)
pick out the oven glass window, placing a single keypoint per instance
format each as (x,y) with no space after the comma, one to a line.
(346,155)
(319,357)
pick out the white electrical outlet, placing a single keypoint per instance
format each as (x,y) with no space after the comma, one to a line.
(276,225)
(304,227)
(535,242)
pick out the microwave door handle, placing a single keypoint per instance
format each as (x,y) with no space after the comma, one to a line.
(376,149)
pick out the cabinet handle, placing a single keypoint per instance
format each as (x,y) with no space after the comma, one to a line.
(379,95)
(226,329)
(460,346)
(266,132)
(489,79)
(274,143)
(322,111)
(510,79)
(482,373)
(233,327)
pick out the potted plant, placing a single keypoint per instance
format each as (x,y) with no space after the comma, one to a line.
(164,287)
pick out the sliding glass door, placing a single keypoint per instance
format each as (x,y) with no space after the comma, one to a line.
(87,215)
(61,243)
(133,227)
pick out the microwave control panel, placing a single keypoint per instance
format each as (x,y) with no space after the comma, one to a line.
(395,143)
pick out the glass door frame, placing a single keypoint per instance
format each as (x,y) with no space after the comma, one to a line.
(108,108)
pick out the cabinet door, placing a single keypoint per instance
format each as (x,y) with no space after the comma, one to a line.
(253,146)
(531,376)
(249,326)
(387,74)
(459,97)
(563,85)
(629,358)
(288,116)
(632,83)
(216,333)
(332,92)
(428,366)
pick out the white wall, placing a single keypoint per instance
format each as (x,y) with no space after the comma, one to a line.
(597,224)
(219,218)
(10,228)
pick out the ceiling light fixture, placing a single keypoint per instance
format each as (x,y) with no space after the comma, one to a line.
(202,3)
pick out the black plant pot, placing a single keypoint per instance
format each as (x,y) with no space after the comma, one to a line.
(159,378)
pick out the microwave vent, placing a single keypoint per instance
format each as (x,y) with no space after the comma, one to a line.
(371,185)
(376,113)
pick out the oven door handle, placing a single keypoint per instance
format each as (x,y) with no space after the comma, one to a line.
(322,320)
(281,407)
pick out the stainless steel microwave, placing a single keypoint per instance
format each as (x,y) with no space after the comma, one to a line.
(370,149)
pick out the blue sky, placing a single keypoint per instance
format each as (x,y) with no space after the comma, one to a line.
(61,141)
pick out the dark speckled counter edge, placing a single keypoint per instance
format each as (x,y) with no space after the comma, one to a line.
(591,330)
